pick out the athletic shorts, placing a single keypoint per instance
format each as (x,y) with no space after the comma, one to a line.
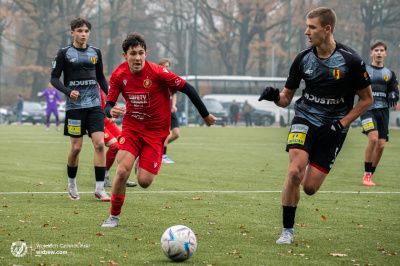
(77,121)
(376,120)
(302,135)
(174,121)
(150,153)
(111,131)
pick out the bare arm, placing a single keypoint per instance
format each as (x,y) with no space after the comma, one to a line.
(286,97)
(366,100)
(173,103)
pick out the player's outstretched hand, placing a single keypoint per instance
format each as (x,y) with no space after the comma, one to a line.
(74,95)
(210,120)
(116,111)
(327,132)
(393,99)
(270,94)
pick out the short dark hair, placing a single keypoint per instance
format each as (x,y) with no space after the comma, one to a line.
(80,22)
(133,40)
(378,43)
(326,16)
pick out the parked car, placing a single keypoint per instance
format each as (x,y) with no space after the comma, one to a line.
(3,116)
(258,117)
(32,112)
(216,109)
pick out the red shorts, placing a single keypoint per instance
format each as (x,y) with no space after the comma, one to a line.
(110,131)
(149,152)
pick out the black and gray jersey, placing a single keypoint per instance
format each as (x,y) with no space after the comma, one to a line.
(330,83)
(383,81)
(81,68)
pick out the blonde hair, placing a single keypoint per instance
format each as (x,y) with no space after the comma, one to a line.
(164,61)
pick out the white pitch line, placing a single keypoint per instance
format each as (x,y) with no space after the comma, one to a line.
(204,191)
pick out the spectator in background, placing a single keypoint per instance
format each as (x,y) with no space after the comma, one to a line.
(52,97)
(20,107)
(247,113)
(234,112)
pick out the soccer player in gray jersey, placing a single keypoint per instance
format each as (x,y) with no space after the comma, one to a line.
(333,74)
(375,120)
(82,67)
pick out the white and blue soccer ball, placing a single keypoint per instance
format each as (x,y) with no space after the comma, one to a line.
(178,243)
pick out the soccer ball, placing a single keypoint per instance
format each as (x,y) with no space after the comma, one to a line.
(178,243)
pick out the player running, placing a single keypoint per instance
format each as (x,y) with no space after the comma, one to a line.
(375,120)
(145,87)
(333,73)
(82,67)
(52,96)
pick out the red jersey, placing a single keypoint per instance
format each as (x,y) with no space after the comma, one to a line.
(148,107)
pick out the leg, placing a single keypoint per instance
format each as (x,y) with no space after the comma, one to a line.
(298,161)
(72,167)
(378,152)
(175,133)
(99,165)
(47,122)
(370,157)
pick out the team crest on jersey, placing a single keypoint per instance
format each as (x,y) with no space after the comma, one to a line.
(365,74)
(337,73)
(386,78)
(125,81)
(106,135)
(121,140)
(93,59)
(147,83)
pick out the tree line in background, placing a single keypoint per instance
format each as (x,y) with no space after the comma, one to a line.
(232,37)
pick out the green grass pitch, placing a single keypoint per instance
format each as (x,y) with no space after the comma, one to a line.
(225,185)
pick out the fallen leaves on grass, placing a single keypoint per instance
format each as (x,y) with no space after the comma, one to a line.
(197,198)
(112,263)
(323,217)
(99,234)
(337,255)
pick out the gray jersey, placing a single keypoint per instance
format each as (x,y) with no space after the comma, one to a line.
(383,81)
(81,68)
(331,83)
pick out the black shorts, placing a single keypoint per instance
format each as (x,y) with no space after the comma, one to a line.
(302,135)
(174,121)
(376,120)
(77,121)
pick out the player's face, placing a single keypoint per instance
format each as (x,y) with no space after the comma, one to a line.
(81,35)
(378,54)
(315,32)
(136,57)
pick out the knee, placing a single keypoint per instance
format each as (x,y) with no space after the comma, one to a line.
(99,146)
(144,184)
(175,134)
(295,176)
(381,146)
(373,141)
(75,150)
(310,190)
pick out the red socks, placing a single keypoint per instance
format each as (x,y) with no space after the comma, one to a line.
(111,154)
(116,204)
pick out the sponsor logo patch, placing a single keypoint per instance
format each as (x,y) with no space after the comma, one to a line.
(74,127)
(121,140)
(299,128)
(296,138)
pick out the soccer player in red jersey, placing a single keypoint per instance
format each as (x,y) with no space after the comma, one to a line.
(145,87)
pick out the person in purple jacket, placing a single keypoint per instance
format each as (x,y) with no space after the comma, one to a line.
(52,96)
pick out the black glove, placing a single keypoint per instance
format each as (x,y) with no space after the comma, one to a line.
(270,94)
(393,99)
(326,133)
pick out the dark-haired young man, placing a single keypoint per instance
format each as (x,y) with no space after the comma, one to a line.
(146,88)
(333,73)
(375,120)
(82,67)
